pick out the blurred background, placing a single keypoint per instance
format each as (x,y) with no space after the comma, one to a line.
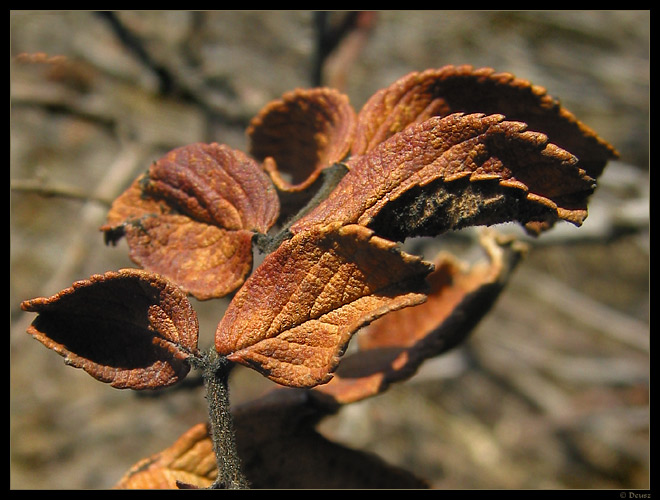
(552,389)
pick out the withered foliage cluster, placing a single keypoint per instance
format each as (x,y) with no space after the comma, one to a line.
(328,193)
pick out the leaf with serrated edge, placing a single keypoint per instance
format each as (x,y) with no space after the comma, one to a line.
(391,349)
(293,318)
(451,172)
(130,328)
(193,215)
(418,96)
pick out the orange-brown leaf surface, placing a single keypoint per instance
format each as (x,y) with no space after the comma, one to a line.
(192,217)
(440,92)
(190,460)
(455,171)
(294,316)
(129,328)
(391,349)
(300,134)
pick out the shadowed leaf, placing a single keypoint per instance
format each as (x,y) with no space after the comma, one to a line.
(294,316)
(460,170)
(391,349)
(287,453)
(130,328)
(290,453)
(192,217)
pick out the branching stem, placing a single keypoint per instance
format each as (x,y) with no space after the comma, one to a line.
(330,178)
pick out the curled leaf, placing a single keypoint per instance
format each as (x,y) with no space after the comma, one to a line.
(440,92)
(193,215)
(302,133)
(293,318)
(391,349)
(130,328)
(189,461)
(460,170)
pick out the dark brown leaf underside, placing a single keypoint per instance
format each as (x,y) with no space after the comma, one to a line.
(129,328)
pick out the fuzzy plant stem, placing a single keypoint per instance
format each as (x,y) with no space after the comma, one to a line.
(330,177)
(216,375)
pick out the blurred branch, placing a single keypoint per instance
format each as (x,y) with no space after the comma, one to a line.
(338,45)
(173,83)
(38,186)
(166,79)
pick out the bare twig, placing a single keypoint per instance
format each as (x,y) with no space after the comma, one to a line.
(173,83)
(166,80)
(38,186)
(341,43)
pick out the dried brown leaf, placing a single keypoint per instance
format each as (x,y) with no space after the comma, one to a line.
(293,318)
(192,217)
(206,260)
(190,461)
(391,349)
(440,92)
(216,184)
(460,170)
(130,328)
(302,133)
